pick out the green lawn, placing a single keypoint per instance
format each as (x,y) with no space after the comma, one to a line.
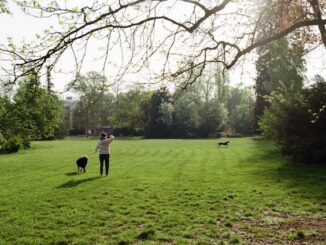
(161,191)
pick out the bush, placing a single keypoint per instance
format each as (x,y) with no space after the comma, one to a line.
(9,146)
(219,135)
(297,124)
(235,135)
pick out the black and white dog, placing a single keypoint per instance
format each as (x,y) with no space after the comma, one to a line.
(82,163)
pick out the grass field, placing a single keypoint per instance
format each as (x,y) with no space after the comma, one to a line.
(161,192)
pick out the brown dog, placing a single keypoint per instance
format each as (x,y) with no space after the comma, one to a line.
(226,143)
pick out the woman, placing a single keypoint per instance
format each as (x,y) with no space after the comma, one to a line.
(103,147)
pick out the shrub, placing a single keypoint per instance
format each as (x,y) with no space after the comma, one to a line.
(297,123)
(235,135)
(9,146)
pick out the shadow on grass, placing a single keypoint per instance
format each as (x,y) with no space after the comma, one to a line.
(308,181)
(71,173)
(73,183)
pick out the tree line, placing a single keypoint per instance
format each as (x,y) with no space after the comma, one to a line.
(205,109)
(284,110)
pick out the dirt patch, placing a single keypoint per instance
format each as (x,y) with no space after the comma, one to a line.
(281,228)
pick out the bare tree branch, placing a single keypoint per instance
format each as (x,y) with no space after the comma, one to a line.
(145,30)
(321,24)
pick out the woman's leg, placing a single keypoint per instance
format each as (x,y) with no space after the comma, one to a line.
(101,163)
(107,164)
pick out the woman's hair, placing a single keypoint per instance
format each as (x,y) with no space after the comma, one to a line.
(103,135)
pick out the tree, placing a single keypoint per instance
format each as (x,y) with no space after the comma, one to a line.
(95,116)
(280,63)
(281,60)
(155,125)
(212,117)
(167,114)
(33,113)
(209,93)
(297,122)
(192,39)
(126,114)
(186,118)
(6,120)
(89,109)
(222,85)
(241,111)
(262,79)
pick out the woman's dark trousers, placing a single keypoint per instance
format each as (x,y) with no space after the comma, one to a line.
(104,158)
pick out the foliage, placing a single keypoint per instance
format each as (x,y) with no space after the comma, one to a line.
(92,109)
(155,126)
(186,115)
(3,7)
(167,113)
(32,114)
(193,37)
(38,114)
(198,111)
(279,64)
(9,146)
(262,79)
(6,120)
(212,118)
(61,131)
(287,64)
(126,116)
(94,115)
(297,122)
(241,111)
(281,60)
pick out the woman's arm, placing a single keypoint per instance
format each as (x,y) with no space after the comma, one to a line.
(110,139)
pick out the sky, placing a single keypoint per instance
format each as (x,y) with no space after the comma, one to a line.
(20,26)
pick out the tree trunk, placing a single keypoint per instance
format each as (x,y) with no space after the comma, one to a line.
(316,7)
